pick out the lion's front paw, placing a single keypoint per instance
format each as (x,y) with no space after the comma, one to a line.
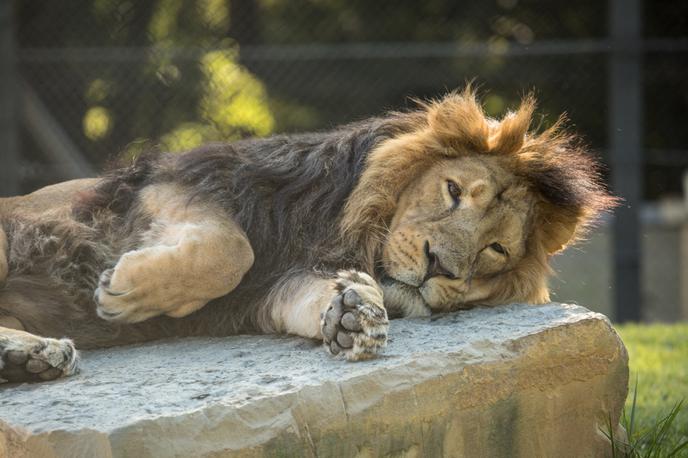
(25,357)
(355,324)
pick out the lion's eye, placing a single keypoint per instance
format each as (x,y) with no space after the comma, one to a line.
(454,191)
(498,248)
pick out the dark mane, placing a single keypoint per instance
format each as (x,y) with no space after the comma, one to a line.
(287,192)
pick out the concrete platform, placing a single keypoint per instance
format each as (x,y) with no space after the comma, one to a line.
(510,381)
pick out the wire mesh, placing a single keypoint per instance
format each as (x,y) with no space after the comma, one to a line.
(119,76)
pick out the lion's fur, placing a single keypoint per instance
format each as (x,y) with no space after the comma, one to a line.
(314,202)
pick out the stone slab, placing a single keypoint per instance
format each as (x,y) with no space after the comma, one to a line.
(516,380)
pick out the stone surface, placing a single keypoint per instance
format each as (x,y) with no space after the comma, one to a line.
(510,381)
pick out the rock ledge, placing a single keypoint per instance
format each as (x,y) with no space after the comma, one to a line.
(508,381)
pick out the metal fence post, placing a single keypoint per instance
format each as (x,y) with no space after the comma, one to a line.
(626,142)
(9,151)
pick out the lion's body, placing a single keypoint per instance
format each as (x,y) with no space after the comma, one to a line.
(252,236)
(253,182)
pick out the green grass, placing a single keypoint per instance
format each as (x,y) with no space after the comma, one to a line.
(658,359)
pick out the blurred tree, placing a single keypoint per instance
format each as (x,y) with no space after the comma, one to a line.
(168,72)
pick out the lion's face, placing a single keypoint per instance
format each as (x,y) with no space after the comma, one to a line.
(462,223)
(459,209)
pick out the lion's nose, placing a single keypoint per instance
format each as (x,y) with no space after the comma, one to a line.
(435,267)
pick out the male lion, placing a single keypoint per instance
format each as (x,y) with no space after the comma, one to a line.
(321,235)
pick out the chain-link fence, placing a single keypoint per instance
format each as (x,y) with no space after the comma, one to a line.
(110,77)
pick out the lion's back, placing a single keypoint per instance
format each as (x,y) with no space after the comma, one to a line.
(56,199)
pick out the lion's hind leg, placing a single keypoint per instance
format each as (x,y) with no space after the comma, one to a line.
(25,357)
(30,303)
(192,253)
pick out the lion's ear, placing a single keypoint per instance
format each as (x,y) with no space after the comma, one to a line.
(557,227)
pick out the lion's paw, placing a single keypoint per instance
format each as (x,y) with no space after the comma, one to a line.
(111,304)
(355,325)
(134,291)
(25,357)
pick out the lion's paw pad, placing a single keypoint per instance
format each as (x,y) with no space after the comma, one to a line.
(355,324)
(37,359)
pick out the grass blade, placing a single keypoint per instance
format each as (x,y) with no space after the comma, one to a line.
(611,437)
(631,426)
(677,449)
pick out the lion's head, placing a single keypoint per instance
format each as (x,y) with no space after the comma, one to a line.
(463,209)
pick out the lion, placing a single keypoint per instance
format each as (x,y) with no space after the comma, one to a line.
(322,235)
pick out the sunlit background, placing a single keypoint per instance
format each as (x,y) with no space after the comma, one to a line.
(87,82)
